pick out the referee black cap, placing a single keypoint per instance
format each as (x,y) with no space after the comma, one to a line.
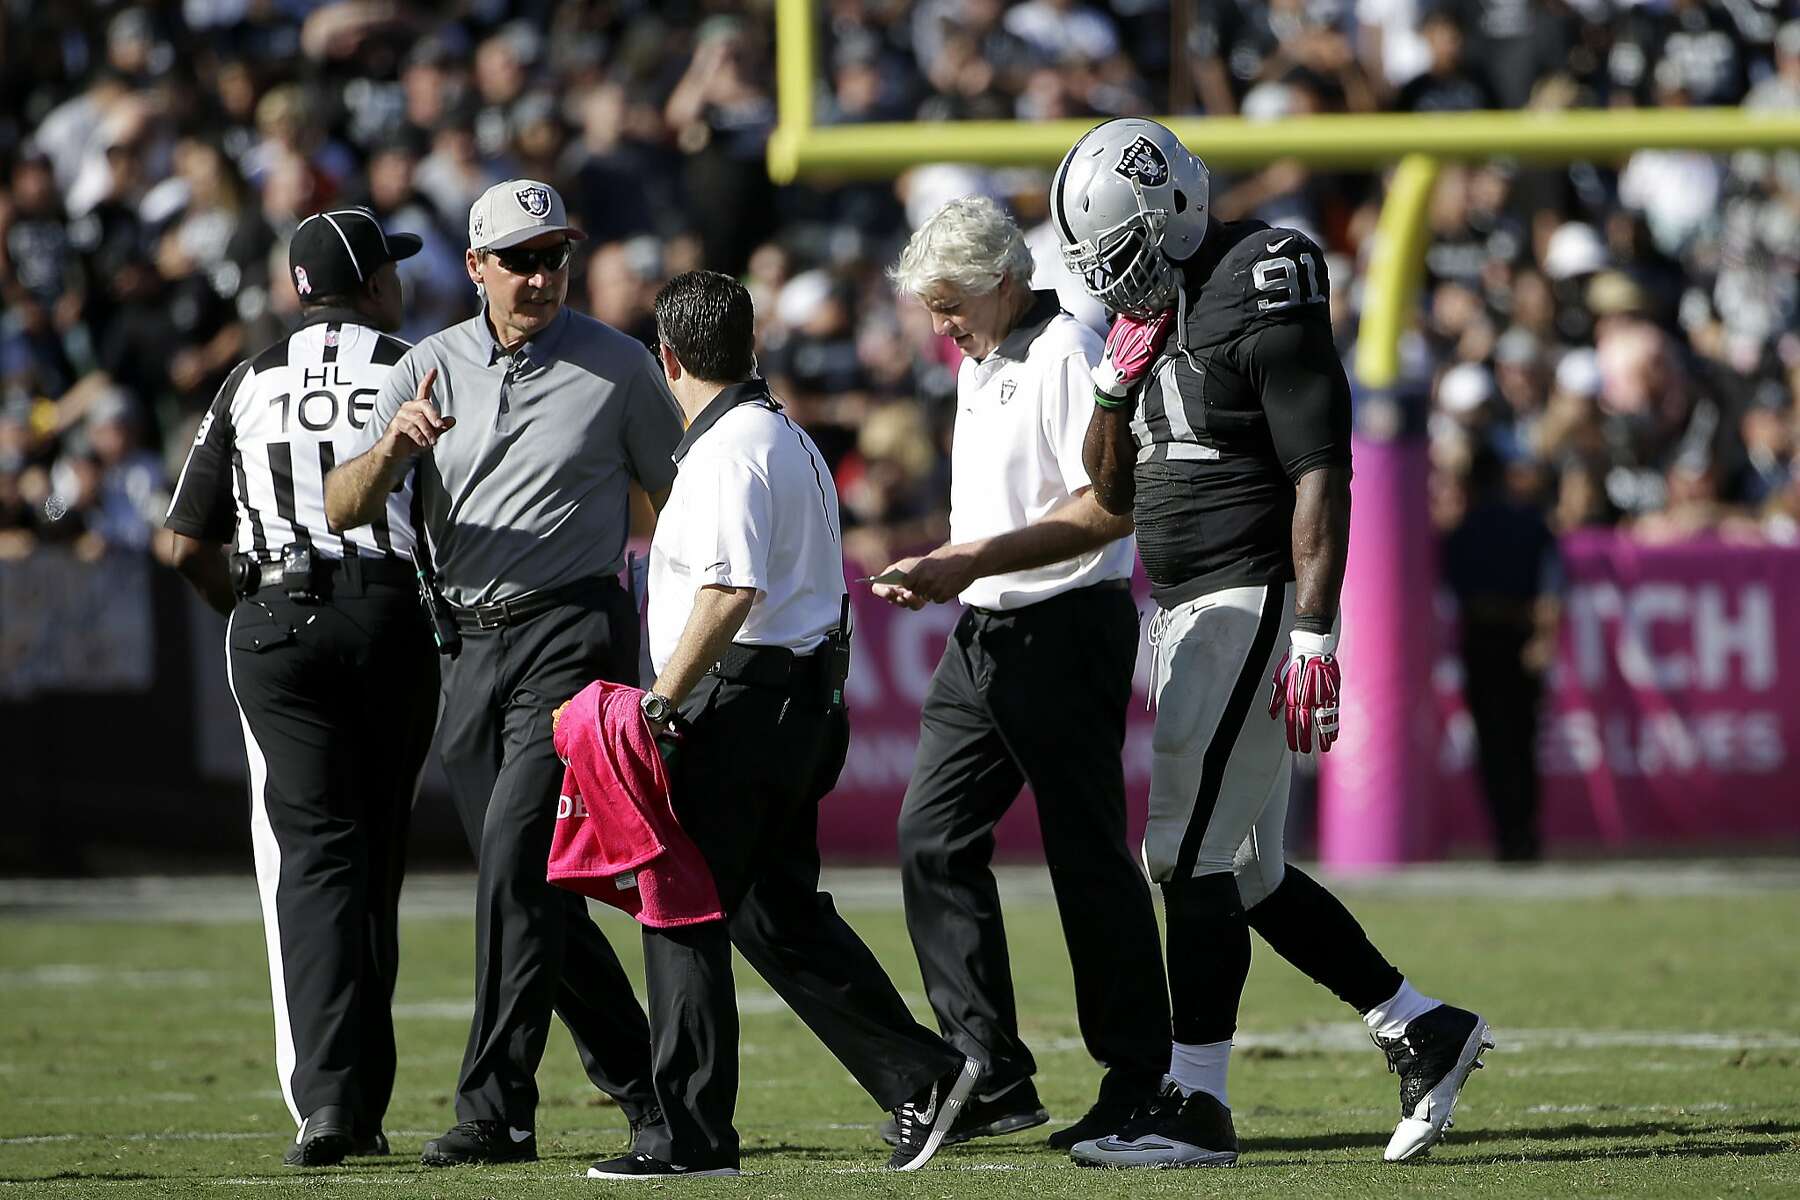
(333,253)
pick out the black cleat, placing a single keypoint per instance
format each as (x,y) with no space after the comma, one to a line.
(990,1114)
(926,1119)
(645,1166)
(1172,1130)
(1106,1116)
(1433,1057)
(323,1140)
(473,1143)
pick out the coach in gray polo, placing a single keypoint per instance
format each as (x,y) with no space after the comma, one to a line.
(526,426)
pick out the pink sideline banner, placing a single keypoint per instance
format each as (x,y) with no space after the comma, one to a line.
(1667,722)
(1671,717)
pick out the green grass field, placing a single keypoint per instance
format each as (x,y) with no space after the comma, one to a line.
(1648,1020)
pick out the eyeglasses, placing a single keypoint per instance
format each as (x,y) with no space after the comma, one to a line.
(518,261)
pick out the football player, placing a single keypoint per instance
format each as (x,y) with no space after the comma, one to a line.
(1222,422)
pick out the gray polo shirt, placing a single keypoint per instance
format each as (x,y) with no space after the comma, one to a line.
(528,490)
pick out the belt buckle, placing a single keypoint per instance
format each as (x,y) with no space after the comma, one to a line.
(497,615)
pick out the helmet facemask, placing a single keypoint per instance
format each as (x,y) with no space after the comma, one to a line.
(1123,267)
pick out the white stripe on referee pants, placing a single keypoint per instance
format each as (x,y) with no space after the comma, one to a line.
(267,852)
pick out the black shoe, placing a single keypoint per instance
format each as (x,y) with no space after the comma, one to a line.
(374,1145)
(324,1138)
(1434,1057)
(470,1143)
(1107,1116)
(643,1166)
(924,1120)
(1173,1130)
(989,1114)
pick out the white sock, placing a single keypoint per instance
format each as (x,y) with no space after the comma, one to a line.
(1389,1018)
(1201,1068)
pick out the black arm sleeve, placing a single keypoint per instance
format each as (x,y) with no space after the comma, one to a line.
(1305,395)
(203,506)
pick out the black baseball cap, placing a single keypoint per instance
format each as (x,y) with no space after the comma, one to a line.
(333,253)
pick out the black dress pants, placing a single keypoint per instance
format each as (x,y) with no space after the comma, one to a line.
(338,700)
(536,948)
(746,779)
(1035,695)
(1505,701)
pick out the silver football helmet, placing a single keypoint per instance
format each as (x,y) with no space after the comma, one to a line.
(1129,201)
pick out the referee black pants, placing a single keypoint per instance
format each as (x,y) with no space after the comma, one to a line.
(746,780)
(536,948)
(338,701)
(1034,695)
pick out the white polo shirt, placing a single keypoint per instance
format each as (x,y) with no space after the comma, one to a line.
(1021,416)
(753,505)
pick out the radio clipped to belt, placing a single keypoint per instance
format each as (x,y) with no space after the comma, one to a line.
(837,658)
(443,622)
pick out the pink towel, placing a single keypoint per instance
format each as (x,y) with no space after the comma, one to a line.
(616,836)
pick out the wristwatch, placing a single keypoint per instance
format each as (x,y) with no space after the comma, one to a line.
(657,709)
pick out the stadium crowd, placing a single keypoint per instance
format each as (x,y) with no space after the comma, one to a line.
(1612,345)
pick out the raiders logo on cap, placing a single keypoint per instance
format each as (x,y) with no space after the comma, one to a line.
(534,200)
(1143,161)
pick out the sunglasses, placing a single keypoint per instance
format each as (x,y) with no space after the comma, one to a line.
(519,261)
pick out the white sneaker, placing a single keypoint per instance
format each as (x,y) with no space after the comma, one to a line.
(1433,1057)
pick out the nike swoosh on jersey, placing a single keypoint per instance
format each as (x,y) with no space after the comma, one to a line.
(1272,247)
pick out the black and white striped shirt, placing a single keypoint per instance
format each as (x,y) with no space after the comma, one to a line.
(256,474)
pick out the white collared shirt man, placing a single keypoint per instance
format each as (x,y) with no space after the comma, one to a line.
(1032,687)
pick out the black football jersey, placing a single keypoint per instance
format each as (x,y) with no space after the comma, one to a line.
(1232,416)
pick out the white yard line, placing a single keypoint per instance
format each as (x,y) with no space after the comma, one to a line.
(226,899)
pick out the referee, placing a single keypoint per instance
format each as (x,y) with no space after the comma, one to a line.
(1032,688)
(332,667)
(527,424)
(747,612)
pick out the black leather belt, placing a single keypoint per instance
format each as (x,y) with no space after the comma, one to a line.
(768,666)
(351,573)
(502,613)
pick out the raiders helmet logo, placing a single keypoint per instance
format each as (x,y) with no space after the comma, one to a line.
(1008,389)
(477,227)
(534,200)
(1144,161)
(302,284)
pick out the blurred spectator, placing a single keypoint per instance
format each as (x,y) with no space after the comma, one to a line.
(1448,83)
(721,112)
(1500,561)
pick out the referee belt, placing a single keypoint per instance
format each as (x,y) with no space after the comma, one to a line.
(479,618)
(348,575)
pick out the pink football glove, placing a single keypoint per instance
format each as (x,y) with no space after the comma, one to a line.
(1132,344)
(1307,684)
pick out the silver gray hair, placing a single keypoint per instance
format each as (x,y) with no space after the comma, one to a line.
(972,244)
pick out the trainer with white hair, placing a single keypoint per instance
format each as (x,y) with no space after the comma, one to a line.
(1032,688)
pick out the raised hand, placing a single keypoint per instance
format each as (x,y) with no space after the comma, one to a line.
(418,424)
(1132,344)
